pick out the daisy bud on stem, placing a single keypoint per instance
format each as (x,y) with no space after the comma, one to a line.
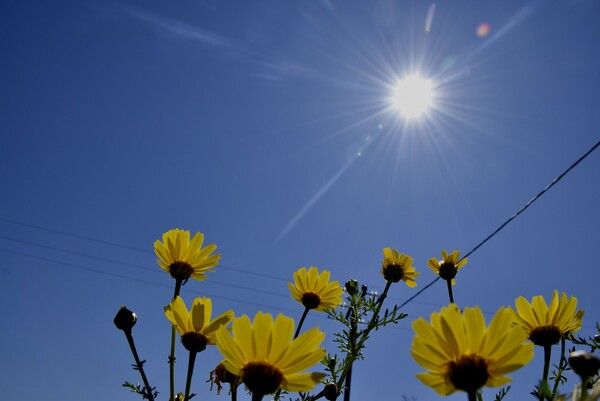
(125,320)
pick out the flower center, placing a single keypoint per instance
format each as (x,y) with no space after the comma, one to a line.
(261,377)
(311,300)
(545,335)
(469,373)
(448,270)
(194,341)
(180,270)
(393,273)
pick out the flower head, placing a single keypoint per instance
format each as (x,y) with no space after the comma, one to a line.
(314,290)
(461,353)
(266,357)
(195,327)
(183,258)
(448,266)
(546,325)
(398,267)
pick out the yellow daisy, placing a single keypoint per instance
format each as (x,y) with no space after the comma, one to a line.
(546,325)
(266,357)
(195,327)
(398,267)
(448,266)
(461,353)
(314,290)
(183,258)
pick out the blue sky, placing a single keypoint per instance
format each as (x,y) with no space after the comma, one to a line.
(267,125)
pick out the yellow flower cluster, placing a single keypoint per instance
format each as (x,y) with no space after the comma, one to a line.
(457,349)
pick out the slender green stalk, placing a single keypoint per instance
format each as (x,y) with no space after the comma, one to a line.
(547,357)
(561,366)
(449,282)
(472,395)
(233,393)
(354,327)
(353,333)
(379,304)
(351,355)
(301,321)
(139,365)
(190,372)
(172,354)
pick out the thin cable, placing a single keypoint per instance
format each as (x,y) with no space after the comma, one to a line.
(514,216)
(100,241)
(138,280)
(144,268)
(184,289)
(132,248)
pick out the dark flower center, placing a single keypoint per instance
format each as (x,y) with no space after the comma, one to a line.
(261,377)
(180,270)
(469,373)
(393,273)
(448,270)
(545,335)
(311,300)
(194,341)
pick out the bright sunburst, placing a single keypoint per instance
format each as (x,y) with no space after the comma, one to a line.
(413,96)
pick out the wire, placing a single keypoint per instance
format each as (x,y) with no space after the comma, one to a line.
(100,241)
(409,300)
(514,216)
(121,276)
(138,280)
(144,268)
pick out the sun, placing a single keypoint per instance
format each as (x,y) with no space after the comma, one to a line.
(413,96)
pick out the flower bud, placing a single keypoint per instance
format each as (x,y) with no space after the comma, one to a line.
(351,287)
(586,365)
(332,363)
(125,319)
(330,392)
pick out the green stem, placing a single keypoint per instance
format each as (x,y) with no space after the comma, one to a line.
(365,333)
(382,297)
(449,282)
(547,357)
(301,322)
(233,393)
(188,382)
(561,366)
(172,354)
(472,395)
(139,365)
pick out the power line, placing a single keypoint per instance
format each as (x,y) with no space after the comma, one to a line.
(501,227)
(514,216)
(83,237)
(132,248)
(144,268)
(136,279)
(184,289)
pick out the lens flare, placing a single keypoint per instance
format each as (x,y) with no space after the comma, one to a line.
(483,29)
